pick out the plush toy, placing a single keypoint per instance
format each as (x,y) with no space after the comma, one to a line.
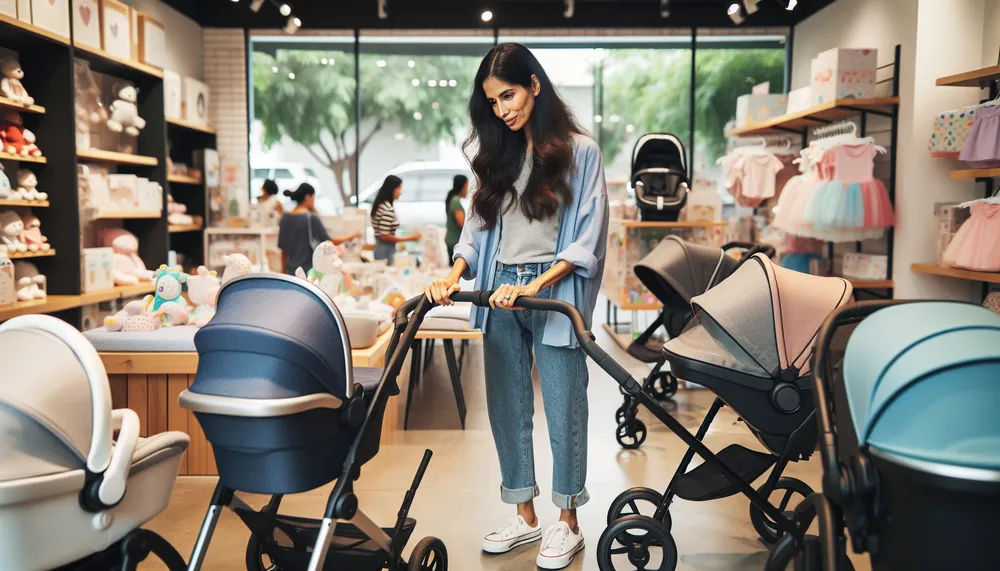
(129,268)
(32,234)
(177,212)
(125,112)
(328,270)
(8,293)
(5,189)
(27,186)
(167,301)
(15,139)
(10,84)
(11,232)
(30,283)
(236,265)
(203,289)
(133,318)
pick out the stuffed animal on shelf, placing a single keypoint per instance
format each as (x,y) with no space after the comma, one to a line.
(27,186)
(30,283)
(8,293)
(5,189)
(129,268)
(177,212)
(11,232)
(10,84)
(236,265)
(15,139)
(32,234)
(328,270)
(168,304)
(133,318)
(203,290)
(125,112)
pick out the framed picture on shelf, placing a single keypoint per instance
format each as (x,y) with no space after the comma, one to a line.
(152,42)
(116,29)
(51,15)
(195,101)
(87,23)
(24,10)
(8,8)
(172,95)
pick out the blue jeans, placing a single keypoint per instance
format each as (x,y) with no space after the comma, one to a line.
(510,398)
(385,251)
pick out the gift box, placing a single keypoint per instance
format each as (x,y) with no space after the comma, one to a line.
(150,195)
(865,266)
(8,8)
(843,74)
(24,10)
(172,95)
(755,108)
(152,42)
(51,15)
(951,129)
(195,105)
(123,192)
(116,29)
(87,23)
(799,100)
(98,269)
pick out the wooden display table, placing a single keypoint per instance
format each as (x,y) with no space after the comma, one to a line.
(421,352)
(149,384)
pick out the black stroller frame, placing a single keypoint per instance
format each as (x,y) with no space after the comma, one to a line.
(630,432)
(342,521)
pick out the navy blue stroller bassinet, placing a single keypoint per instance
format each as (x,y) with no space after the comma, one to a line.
(285,412)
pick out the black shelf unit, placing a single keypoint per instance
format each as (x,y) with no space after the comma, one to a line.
(186,145)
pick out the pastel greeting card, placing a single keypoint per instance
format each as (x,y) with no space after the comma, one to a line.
(87,23)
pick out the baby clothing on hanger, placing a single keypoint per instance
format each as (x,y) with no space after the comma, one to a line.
(982,148)
(851,198)
(759,175)
(974,246)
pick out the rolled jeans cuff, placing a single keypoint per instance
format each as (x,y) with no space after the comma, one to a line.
(570,502)
(519,495)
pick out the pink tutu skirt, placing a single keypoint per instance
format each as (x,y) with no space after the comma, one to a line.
(791,204)
(849,205)
(974,246)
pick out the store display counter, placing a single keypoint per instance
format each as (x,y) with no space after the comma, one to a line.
(150,382)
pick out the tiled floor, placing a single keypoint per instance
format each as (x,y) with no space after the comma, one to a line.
(459,499)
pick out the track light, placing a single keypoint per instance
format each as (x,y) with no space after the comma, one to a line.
(255,5)
(751,6)
(293,25)
(383,9)
(487,15)
(285,10)
(570,7)
(788,4)
(664,8)
(736,13)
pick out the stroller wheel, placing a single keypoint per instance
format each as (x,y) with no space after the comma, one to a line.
(620,414)
(256,559)
(429,555)
(631,433)
(637,501)
(664,386)
(784,491)
(803,555)
(655,551)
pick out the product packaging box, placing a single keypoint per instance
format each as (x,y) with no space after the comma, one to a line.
(865,266)
(24,10)
(152,42)
(8,8)
(754,108)
(98,269)
(87,23)
(799,100)
(123,192)
(150,195)
(172,95)
(51,15)
(843,74)
(195,101)
(133,33)
(116,29)
(951,129)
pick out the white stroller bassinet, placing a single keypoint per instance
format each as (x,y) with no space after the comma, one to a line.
(68,488)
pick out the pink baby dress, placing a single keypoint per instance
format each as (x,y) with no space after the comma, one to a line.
(982,148)
(975,245)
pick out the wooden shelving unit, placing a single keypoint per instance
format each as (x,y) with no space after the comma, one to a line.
(957,273)
(130,215)
(965,174)
(111,157)
(190,126)
(19,202)
(187,142)
(816,116)
(57,303)
(38,254)
(104,62)
(22,159)
(12,105)
(974,78)
(183,179)
(11,25)
(179,228)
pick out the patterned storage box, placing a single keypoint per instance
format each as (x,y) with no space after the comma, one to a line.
(754,108)
(951,129)
(843,74)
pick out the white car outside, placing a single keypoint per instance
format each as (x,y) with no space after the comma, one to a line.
(425,185)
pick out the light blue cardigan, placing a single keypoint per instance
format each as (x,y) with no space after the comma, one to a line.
(582,241)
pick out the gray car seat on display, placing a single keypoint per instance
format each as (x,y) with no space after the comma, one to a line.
(71,493)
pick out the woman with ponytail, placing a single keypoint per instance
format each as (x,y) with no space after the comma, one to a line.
(301,230)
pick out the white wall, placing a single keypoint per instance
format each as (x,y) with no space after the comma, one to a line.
(991,34)
(184,46)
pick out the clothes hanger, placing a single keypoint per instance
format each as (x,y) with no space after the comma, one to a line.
(992,199)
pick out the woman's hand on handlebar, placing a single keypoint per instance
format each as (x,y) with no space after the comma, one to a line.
(506,295)
(439,291)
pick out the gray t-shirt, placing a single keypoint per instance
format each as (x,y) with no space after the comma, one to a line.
(293,239)
(524,241)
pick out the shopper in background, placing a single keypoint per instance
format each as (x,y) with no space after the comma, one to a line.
(384,221)
(268,200)
(456,212)
(301,230)
(538,228)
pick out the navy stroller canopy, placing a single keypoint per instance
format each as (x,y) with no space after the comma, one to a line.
(923,383)
(679,270)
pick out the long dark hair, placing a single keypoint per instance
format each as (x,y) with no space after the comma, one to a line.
(386,193)
(457,184)
(299,194)
(500,152)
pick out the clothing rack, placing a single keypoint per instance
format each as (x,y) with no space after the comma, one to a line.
(836,130)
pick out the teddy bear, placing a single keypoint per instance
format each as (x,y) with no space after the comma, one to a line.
(203,290)
(15,139)
(133,318)
(11,232)
(27,186)
(30,283)
(6,191)
(8,293)
(32,234)
(177,212)
(237,265)
(10,84)
(129,268)
(125,112)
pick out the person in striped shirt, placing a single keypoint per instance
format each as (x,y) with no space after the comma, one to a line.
(384,220)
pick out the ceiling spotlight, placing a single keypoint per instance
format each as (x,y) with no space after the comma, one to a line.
(418,115)
(570,7)
(789,4)
(324,61)
(331,61)
(291,75)
(751,6)
(255,5)
(736,13)
(293,25)
(285,10)
(383,9)
(236,1)
(629,128)
(380,63)
(411,64)
(443,83)
(598,118)
(487,15)
(432,83)
(415,82)
(452,83)
(664,8)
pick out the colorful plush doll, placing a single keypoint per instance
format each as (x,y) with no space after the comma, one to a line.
(236,265)
(167,302)
(15,139)
(203,289)
(328,270)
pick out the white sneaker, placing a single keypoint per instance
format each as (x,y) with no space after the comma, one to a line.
(514,533)
(559,546)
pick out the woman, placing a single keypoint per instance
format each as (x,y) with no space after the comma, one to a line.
(269,203)
(538,228)
(300,231)
(455,211)
(384,220)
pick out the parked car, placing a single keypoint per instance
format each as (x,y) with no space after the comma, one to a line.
(425,185)
(288,176)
